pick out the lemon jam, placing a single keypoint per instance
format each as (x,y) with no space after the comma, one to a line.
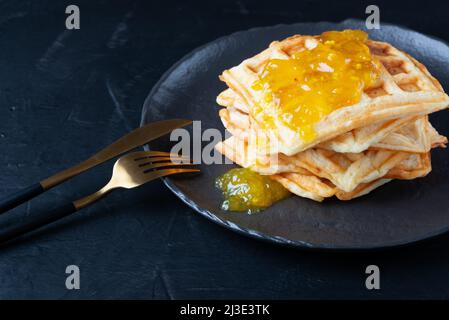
(303,89)
(245,190)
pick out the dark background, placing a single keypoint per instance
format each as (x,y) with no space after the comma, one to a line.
(66,93)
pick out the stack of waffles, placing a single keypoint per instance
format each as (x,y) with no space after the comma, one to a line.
(387,135)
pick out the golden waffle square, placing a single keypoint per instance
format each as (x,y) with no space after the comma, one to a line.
(408,135)
(354,141)
(405,90)
(311,187)
(357,173)
(345,170)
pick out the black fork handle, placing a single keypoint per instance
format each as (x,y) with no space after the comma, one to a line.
(32,223)
(19,197)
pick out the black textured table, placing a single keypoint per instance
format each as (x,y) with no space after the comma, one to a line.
(66,93)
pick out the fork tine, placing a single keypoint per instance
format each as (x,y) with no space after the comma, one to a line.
(151,154)
(152,175)
(138,155)
(150,165)
(159,159)
(153,159)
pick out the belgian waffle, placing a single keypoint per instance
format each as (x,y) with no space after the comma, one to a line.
(357,148)
(345,171)
(405,89)
(407,134)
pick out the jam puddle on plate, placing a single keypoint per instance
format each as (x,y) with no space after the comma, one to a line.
(247,191)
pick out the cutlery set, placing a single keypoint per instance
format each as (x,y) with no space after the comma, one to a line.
(131,170)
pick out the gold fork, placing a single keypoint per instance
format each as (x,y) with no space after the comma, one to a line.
(130,171)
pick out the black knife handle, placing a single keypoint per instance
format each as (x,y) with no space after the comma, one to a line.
(32,223)
(19,197)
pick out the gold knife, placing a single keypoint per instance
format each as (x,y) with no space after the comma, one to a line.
(132,140)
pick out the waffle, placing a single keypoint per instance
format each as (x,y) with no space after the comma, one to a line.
(386,136)
(317,175)
(350,174)
(355,141)
(299,184)
(405,134)
(405,90)
(346,171)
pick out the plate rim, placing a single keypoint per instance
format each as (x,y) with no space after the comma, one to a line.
(257,234)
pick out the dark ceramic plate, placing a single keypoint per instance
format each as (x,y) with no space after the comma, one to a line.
(398,213)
